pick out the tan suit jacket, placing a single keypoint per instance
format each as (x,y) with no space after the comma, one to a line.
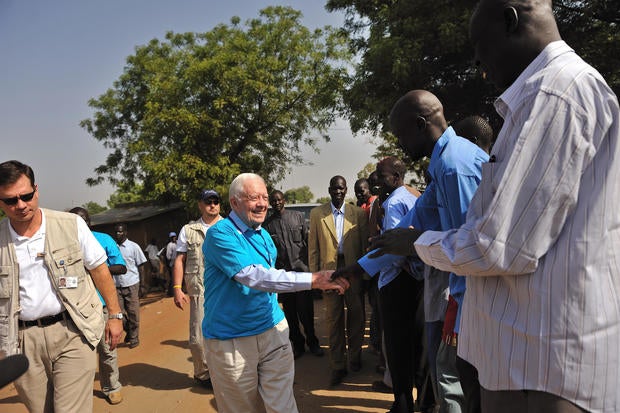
(323,241)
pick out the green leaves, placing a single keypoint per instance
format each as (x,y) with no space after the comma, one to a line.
(195,109)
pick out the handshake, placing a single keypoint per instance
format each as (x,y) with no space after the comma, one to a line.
(324,280)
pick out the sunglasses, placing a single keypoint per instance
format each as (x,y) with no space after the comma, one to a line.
(212,202)
(13,200)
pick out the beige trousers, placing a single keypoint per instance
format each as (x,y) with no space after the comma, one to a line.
(108,364)
(196,339)
(62,369)
(255,371)
(345,327)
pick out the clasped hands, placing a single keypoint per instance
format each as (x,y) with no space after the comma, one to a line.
(323,280)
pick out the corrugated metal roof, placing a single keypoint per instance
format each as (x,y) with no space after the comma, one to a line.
(132,213)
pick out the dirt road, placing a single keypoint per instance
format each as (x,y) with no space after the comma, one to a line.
(157,375)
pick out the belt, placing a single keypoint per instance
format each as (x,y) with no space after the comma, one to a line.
(44,321)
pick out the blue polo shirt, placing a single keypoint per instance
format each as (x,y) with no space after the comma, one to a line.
(111,250)
(231,308)
(456,171)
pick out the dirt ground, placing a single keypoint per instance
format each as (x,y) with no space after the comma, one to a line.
(157,376)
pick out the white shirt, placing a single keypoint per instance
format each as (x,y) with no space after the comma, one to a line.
(339,224)
(542,240)
(37,297)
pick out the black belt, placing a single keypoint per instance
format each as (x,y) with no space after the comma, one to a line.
(44,321)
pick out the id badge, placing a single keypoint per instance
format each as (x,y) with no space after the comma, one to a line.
(68,282)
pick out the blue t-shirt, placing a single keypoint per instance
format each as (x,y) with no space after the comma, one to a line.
(111,250)
(231,308)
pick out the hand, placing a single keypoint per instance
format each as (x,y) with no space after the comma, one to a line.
(323,280)
(397,241)
(353,270)
(180,298)
(113,331)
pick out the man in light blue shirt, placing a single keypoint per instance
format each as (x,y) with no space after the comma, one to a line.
(246,335)
(455,169)
(128,284)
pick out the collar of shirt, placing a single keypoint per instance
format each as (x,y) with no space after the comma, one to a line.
(39,234)
(511,96)
(337,211)
(401,191)
(240,224)
(439,147)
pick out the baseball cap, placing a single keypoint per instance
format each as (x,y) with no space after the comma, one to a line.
(172,234)
(208,193)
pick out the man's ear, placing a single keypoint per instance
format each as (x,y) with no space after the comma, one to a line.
(420,123)
(511,19)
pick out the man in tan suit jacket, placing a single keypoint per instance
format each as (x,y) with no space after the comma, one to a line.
(337,238)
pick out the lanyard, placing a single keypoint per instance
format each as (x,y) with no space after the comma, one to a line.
(267,257)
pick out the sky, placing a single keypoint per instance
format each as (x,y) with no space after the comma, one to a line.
(56,55)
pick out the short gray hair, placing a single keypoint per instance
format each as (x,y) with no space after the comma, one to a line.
(237,185)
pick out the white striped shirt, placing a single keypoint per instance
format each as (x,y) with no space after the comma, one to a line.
(541,243)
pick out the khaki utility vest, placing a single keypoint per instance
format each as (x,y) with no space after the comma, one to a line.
(194,260)
(63,256)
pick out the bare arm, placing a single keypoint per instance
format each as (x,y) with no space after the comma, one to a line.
(178,268)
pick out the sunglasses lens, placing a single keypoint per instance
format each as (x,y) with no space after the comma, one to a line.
(13,200)
(10,201)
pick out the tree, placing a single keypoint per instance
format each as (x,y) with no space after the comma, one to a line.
(323,200)
(416,44)
(93,208)
(298,195)
(196,109)
(367,170)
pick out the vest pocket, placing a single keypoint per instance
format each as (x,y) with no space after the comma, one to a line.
(5,282)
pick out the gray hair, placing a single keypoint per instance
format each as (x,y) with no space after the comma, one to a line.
(237,185)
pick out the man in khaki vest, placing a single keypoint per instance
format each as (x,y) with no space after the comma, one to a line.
(189,262)
(49,308)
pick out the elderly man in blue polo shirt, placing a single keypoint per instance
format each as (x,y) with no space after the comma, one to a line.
(246,335)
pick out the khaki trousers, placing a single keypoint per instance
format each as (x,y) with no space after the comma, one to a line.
(108,364)
(352,338)
(62,369)
(196,339)
(254,371)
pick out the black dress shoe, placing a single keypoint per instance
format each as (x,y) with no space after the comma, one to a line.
(317,351)
(337,376)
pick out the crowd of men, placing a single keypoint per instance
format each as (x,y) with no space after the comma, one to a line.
(496,289)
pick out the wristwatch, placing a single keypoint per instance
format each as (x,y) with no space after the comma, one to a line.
(118,316)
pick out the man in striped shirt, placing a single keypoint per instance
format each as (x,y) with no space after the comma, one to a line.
(541,242)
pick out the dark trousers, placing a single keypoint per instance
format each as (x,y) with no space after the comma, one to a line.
(470,385)
(299,307)
(128,298)
(402,315)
